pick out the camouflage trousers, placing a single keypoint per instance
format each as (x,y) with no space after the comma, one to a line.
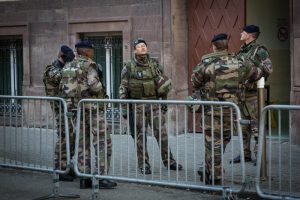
(249,111)
(94,140)
(214,142)
(159,131)
(60,154)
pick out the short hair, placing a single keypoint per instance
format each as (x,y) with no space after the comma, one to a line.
(255,34)
(221,44)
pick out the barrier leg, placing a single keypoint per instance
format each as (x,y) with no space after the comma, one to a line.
(55,193)
(95,188)
(227,194)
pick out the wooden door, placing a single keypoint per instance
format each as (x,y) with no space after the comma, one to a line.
(207,18)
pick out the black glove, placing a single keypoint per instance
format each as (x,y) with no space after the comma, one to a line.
(124,113)
(164,108)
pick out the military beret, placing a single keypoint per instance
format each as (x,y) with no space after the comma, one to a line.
(66,50)
(221,36)
(139,40)
(84,44)
(251,29)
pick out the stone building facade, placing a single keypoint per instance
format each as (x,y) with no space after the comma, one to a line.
(177,32)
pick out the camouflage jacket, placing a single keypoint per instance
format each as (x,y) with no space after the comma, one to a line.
(80,80)
(138,81)
(259,56)
(52,77)
(222,77)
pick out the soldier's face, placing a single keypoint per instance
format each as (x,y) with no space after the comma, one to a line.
(140,49)
(90,53)
(244,36)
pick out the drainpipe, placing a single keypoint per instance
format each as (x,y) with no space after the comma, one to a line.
(108,48)
(13,70)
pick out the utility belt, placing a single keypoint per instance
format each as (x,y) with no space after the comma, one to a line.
(53,92)
(144,98)
(250,93)
(72,104)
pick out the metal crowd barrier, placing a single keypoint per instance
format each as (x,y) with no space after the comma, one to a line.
(30,133)
(282,156)
(93,143)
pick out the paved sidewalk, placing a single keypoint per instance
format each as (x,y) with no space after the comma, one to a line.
(25,185)
(18,184)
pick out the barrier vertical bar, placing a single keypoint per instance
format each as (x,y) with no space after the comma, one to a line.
(153,136)
(222,143)
(279,152)
(270,152)
(194,143)
(203,142)
(290,154)
(185,144)
(168,133)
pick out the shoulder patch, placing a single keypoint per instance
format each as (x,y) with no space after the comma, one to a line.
(262,53)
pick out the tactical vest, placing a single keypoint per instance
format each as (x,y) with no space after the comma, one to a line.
(251,53)
(225,79)
(141,83)
(251,89)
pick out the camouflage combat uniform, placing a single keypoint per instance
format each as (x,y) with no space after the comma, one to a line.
(51,79)
(80,80)
(138,82)
(259,56)
(221,76)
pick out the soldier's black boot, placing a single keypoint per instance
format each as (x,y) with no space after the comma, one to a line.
(208,179)
(146,171)
(174,167)
(85,183)
(66,177)
(107,184)
(238,159)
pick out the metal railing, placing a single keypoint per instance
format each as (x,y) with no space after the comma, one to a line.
(108,153)
(32,133)
(282,156)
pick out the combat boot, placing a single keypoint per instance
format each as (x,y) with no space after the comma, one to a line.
(174,167)
(103,184)
(85,183)
(238,159)
(107,184)
(146,171)
(67,177)
(208,178)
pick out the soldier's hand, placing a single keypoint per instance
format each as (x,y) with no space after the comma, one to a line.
(124,113)
(191,107)
(164,108)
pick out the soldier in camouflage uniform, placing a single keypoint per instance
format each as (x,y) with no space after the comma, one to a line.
(51,79)
(259,56)
(142,79)
(80,80)
(221,77)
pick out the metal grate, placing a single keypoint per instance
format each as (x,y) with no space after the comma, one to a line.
(13,109)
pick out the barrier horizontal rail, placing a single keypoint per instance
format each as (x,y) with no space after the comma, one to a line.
(31,133)
(128,158)
(283,170)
